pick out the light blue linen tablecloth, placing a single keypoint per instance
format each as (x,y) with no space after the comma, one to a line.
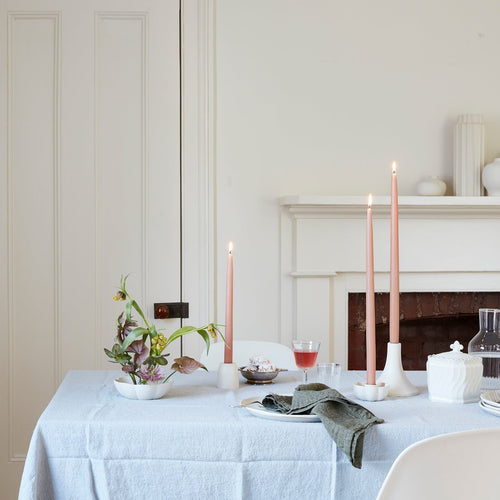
(91,443)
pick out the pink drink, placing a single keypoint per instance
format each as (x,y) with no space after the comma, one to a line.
(305,359)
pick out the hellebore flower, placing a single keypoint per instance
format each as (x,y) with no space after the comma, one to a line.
(186,365)
(123,327)
(154,374)
(141,351)
(119,296)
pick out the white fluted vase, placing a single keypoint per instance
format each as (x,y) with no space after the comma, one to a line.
(468,157)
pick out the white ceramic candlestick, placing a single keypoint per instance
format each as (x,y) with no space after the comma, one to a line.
(393,374)
(227,376)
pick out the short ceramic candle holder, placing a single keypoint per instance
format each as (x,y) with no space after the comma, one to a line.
(227,376)
(393,374)
(370,392)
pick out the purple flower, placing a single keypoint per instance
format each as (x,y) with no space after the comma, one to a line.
(124,327)
(141,351)
(151,374)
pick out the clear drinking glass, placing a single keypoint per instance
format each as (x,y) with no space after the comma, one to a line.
(486,344)
(305,352)
(329,374)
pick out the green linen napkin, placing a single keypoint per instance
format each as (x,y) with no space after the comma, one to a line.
(344,420)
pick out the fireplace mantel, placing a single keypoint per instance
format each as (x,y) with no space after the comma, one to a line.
(447,243)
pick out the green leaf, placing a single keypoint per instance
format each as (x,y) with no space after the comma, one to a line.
(161,361)
(128,310)
(109,353)
(123,282)
(123,358)
(180,332)
(135,305)
(133,335)
(206,338)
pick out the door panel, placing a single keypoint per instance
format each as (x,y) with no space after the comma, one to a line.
(90,190)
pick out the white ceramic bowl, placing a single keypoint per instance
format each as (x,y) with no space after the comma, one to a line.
(149,391)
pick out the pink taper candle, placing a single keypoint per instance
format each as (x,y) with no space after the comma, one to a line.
(228,349)
(370,299)
(394,291)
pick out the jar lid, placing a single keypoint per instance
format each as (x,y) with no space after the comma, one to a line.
(455,356)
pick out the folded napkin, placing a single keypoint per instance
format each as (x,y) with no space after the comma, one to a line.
(344,420)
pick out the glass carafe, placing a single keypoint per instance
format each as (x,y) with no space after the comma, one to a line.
(487,345)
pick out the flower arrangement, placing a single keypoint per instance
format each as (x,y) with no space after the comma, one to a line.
(147,364)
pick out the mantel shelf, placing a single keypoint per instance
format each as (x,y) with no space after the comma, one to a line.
(474,206)
(418,201)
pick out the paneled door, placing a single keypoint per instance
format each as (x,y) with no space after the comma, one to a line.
(90,182)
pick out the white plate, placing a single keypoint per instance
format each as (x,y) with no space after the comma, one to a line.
(491,398)
(493,406)
(489,409)
(272,415)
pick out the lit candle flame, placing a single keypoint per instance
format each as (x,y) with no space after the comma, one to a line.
(230,247)
(370,199)
(394,166)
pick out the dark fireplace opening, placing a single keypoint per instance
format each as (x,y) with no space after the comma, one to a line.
(429,323)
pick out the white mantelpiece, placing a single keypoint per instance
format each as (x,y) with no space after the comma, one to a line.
(446,244)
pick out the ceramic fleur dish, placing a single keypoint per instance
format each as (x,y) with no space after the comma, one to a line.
(141,391)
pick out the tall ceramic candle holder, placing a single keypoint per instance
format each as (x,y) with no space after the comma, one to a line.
(227,376)
(393,374)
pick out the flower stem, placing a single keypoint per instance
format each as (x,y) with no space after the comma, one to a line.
(168,377)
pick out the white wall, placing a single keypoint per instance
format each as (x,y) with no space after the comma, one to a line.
(318,97)
(89,181)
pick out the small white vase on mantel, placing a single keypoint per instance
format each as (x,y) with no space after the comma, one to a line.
(491,177)
(431,186)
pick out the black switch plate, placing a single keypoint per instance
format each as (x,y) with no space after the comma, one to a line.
(164,310)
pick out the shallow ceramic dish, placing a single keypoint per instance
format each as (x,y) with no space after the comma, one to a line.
(149,391)
(260,377)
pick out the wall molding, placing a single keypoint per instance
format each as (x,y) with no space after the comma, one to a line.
(12,17)
(199,169)
(99,17)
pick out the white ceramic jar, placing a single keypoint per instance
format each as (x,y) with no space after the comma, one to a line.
(491,177)
(431,186)
(453,376)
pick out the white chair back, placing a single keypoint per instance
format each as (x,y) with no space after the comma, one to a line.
(279,354)
(458,466)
